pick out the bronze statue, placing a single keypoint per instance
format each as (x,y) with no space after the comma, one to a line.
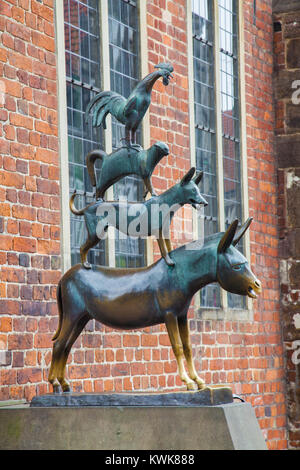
(153,216)
(128,111)
(117,165)
(139,298)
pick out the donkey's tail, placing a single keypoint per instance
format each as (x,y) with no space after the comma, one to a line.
(90,163)
(60,311)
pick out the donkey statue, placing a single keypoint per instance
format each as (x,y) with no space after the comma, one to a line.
(139,298)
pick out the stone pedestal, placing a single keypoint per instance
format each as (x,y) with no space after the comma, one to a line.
(206,397)
(149,426)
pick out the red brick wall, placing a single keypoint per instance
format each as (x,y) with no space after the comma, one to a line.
(29,193)
(245,355)
(267,393)
(287,71)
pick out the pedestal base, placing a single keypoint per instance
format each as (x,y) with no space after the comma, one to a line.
(206,397)
(149,427)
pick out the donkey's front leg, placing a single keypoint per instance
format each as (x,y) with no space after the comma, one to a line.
(187,349)
(173,331)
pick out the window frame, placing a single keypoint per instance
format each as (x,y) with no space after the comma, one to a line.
(224,311)
(63,126)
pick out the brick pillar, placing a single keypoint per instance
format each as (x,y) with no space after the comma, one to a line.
(287,97)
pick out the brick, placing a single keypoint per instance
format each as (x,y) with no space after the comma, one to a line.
(22,151)
(27,245)
(12,275)
(5,242)
(12,88)
(24,341)
(42,11)
(23,212)
(42,41)
(18,30)
(21,121)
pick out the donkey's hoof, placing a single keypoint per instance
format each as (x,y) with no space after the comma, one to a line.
(200,384)
(190,386)
(66,387)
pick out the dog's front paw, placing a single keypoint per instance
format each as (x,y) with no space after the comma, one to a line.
(87,265)
(169,261)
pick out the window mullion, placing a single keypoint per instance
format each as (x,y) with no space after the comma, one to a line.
(192,115)
(144,70)
(243,134)
(219,133)
(63,137)
(105,67)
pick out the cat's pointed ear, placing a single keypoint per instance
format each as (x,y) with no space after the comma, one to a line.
(242,231)
(228,237)
(187,178)
(198,178)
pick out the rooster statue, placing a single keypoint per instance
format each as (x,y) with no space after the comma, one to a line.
(128,111)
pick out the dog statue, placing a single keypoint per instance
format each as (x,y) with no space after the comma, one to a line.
(124,162)
(152,217)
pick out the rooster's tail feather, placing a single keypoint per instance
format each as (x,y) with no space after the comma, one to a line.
(104,103)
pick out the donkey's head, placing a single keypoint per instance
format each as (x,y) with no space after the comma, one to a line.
(188,191)
(233,270)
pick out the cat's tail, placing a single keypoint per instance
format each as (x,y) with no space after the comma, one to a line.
(90,163)
(72,205)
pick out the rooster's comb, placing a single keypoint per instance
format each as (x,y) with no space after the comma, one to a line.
(165,66)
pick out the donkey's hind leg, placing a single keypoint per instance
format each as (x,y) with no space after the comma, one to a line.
(173,331)
(187,349)
(52,377)
(70,340)
(70,330)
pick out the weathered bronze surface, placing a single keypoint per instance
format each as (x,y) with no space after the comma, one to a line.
(207,397)
(138,298)
(124,162)
(154,215)
(128,111)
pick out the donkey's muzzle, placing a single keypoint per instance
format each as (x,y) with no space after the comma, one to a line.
(254,289)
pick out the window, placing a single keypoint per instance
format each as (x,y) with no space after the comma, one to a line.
(217,123)
(124,76)
(230,108)
(84,48)
(82,45)
(205,124)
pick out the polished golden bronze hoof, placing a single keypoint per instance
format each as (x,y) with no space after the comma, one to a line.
(65,386)
(191,386)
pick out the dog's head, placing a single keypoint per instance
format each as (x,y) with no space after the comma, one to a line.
(189,191)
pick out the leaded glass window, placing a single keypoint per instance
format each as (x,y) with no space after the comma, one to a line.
(228,24)
(82,44)
(207,133)
(205,126)
(124,75)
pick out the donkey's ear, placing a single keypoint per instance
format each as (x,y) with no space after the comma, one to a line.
(198,178)
(187,178)
(242,230)
(228,237)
